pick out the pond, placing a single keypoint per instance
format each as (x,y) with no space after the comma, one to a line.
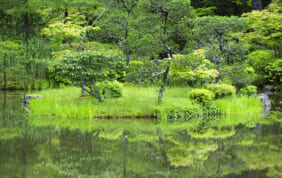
(200,147)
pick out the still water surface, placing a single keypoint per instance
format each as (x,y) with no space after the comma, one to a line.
(202,147)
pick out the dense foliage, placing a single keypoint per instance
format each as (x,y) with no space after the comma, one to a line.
(86,69)
(175,43)
(110,89)
(201,95)
(221,90)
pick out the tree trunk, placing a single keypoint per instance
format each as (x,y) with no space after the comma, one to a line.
(129,10)
(65,21)
(25,149)
(161,142)
(126,41)
(125,133)
(26,27)
(160,98)
(37,71)
(5,78)
(83,90)
(257,4)
(4,108)
(97,93)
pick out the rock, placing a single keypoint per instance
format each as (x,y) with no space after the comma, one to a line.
(266,103)
(28,97)
(264,99)
(268,87)
(27,100)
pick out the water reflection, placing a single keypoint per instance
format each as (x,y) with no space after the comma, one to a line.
(203,147)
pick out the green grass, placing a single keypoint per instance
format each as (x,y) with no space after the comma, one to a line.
(135,102)
(243,105)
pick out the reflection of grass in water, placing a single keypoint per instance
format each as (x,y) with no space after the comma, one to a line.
(146,129)
(135,102)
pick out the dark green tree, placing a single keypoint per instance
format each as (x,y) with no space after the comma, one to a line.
(218,36)
(88,68)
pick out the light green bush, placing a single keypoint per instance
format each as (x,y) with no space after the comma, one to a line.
(249,90)
(201,95)
(260,58)
(110,89)
(221,90)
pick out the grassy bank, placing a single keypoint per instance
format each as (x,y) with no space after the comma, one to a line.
(137,102)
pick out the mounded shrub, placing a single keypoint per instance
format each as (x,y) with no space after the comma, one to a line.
(110,89)
(201,95)
(221,90)
(249,90)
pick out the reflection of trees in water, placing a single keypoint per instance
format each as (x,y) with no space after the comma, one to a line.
(72,152)
(135,148)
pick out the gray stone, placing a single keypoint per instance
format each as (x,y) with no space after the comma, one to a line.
(266,103)
(27,100)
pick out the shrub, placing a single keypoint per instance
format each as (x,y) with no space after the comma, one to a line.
(201,95)
(249,90)
(221,90)
(110,89)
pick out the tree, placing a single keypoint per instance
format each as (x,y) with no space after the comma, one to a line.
(119,25)
(128,6)
(70,31)
(193,68)
(88,68)
(274,71)
(172,13)
(218,35)
(264,29)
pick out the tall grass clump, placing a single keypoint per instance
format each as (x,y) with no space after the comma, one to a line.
(242,105)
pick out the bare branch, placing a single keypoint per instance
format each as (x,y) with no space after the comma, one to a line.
(85,32)
(157,60)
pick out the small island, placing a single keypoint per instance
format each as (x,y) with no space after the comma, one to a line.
(140,88)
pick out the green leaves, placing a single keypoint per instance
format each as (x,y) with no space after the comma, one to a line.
(193,67)
(88,68)
(264,29)
(260,58)
(201,95)
(274,71)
